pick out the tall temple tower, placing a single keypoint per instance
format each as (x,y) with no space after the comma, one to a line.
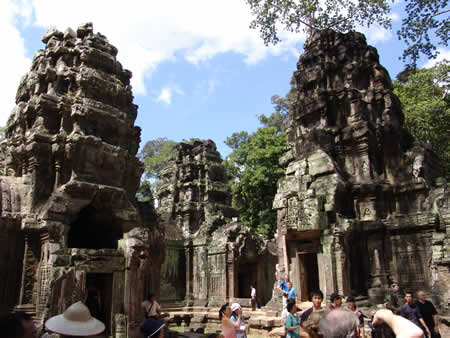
(69,179)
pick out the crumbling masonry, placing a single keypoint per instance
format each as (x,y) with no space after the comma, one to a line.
(68,180)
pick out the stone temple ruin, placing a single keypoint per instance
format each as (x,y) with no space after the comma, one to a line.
(69,176)
(360,211)
(210,256)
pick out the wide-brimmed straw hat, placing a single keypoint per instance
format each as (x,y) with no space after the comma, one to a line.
(75,321)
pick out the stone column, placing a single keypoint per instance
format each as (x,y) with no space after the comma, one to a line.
(341,265)
(189,252)
(326,265)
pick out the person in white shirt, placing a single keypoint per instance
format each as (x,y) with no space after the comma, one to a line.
(253,296)
(151,308)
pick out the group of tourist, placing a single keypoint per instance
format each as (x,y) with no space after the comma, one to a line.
(347,321)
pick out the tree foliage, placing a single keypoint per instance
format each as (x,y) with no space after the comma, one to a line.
(424,95)
(311,15)
(154,154)
(254,169)
(424,21)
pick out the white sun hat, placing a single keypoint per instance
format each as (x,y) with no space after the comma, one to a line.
(75,321)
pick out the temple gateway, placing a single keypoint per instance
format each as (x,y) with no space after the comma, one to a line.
(362,209)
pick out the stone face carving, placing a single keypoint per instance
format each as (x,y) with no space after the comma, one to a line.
(210,256)
(352,185)
(69,179)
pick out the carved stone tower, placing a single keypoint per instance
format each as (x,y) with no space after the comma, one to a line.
(69,179)
(360,211)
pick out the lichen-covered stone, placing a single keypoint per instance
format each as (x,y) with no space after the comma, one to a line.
(69,175)
(210,256)
(359,210)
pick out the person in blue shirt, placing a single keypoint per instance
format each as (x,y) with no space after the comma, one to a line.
(292,293)
(284,289)
(292,322)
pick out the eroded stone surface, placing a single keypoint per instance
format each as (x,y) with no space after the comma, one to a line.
(210,256)
(360,211)
(69,178)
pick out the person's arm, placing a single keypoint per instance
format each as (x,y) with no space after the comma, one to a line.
(425,326)
(234,324)
(158,309)
(436,323)
(402,327)
(289,323)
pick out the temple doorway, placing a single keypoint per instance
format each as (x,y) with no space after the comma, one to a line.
(98,297)
(308,274)
(248,274)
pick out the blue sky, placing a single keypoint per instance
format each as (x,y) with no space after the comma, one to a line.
(198,70)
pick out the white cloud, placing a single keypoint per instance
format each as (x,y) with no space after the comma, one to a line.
(150,32)
(167,92)
(12,57)
(444,54)
(165,96)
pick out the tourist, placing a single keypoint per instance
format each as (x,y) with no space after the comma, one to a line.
(151,307)
(411,311)
(339,323)
(240,331)
(284,289)
(17,325)
(293,323)
(336,301)
(429,314)
(253,296)
(401,327)
(75,321)
(152,328)
(292,294)
(316,297)
(228,326)
(351,305)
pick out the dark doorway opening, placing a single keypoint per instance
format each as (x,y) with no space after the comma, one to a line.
(98,297)
(309,274)
(94,229)
(247,275)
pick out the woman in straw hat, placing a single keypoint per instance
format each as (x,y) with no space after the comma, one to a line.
(75,321)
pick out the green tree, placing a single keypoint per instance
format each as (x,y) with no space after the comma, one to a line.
(154,154)
(311,15)
(254,169)
(425,22)
(424,95)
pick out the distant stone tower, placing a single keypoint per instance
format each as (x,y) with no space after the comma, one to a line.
(69,179)
(210,256)
(360,211)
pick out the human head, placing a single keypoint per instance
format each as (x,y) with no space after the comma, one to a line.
(235,308)
(291,307)
(351,303)
(336,299)
(286,277)
(409,297)
(17,324)
(339,323)
(289,285)
(151,297)
(316,298)
(224,311)
(421,296)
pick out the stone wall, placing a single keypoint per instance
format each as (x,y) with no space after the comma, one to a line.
(69,178)
(359,206)
(218,256)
